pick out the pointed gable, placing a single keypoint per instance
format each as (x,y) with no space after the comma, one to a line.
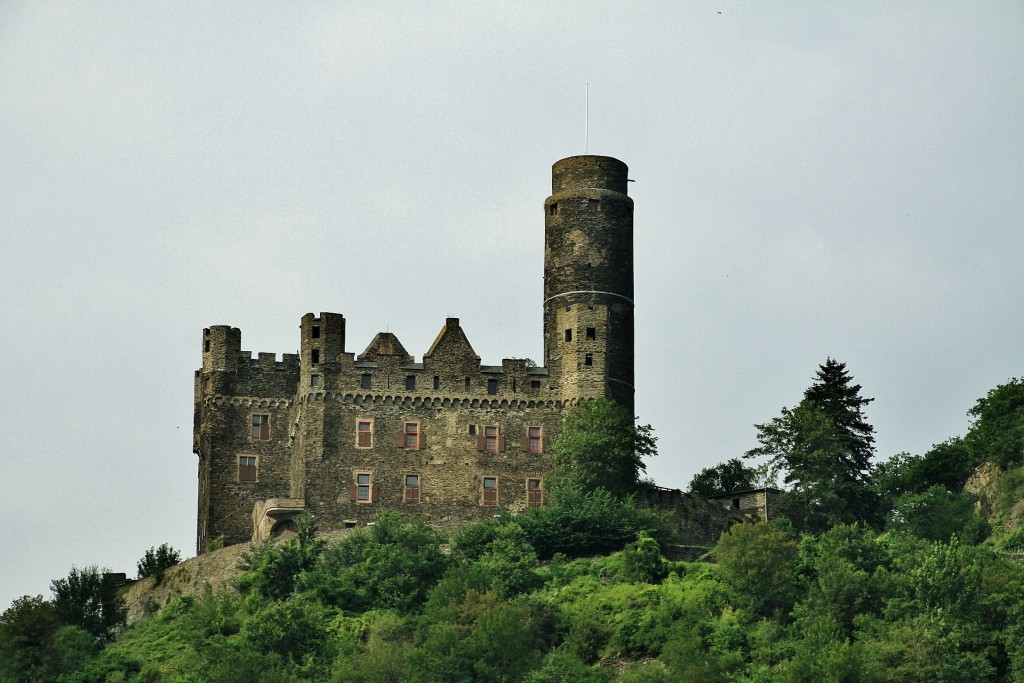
(451,342)
(385,344)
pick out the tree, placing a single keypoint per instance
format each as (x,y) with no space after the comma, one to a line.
(726,477)
(156,561)
(600,446)
(997,425)
(27,630)
(824,448)
(88,598)
(760,564)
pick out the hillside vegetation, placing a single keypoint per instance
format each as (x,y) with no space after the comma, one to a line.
(916,580)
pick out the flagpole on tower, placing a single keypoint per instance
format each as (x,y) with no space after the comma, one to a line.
(586,117)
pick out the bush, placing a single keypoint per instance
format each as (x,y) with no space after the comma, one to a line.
(156,561)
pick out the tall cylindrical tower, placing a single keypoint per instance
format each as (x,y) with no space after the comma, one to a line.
(588,279)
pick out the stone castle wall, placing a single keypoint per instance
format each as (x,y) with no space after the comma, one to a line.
(341,435)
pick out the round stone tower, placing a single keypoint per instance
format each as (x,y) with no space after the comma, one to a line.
(588,279)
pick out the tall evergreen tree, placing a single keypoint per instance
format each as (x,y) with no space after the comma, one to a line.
(824,448)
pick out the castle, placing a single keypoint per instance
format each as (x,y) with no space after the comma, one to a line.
(342,436)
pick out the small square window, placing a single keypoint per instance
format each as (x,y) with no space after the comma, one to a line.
(568,335)
(534,493)
(535,384)
(591,333)
(364,434)
(490,496)
(472,430)
(314,381)
(410,383)
(492,386)
(315,332)
(412,488)
(246,468)
(593,205)
(364,381)
(314,356)
(260,427)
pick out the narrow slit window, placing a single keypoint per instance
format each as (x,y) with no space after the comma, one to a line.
(315,356)
(467,384)
(437,382)
(206,345)
(568,335)
(553,209)
(588,359)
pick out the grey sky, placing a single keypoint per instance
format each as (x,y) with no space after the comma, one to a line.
(812,180)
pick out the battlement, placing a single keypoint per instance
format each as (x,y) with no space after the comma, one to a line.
(343,434)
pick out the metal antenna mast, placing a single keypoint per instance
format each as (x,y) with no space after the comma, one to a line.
(586,117)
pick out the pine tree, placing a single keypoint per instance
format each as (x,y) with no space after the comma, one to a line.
(824,448)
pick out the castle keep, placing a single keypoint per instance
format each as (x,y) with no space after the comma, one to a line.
(342,435)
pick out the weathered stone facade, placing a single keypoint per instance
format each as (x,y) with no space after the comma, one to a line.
(750,505)
(342,436)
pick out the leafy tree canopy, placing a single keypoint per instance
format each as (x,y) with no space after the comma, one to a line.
(823,447)
(88,598)
(600,446)
(726,477)
(997,425)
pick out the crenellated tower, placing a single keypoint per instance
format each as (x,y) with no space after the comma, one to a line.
(588,279)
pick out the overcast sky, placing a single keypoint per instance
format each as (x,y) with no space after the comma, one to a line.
(812,180)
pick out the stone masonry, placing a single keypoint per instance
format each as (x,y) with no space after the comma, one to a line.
(342,436)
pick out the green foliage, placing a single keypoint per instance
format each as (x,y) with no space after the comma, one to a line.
(938,515)
(156,561)
(272,568)
(824,448)
(560,666)
(759,562)
(997,425)
(731,475)
(600,446)
(643,561)
(88,598)
(581,524)
(391,566)
(33,644)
